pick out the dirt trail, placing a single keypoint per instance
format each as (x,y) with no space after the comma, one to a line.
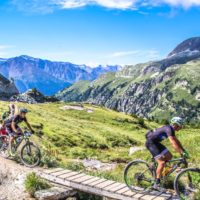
(12,176)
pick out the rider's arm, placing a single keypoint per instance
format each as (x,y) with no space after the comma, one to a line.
(176,144)
(29,126)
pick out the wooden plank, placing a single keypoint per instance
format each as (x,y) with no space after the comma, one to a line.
(83,179)
(138,195)
(129,193)
(95,185)
(90,189)
(97,182)
(105,184)
(60,172)
(121,186)
(64,176)
(164,196)
(75,177)
(111,186)
(90,180)
(148,197)
(122,190)
(48,171)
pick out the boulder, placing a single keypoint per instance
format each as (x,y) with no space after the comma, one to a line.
(32,96)
(54,193)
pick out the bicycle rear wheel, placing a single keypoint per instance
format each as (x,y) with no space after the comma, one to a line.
(187,184)
(30,155)
(138,175)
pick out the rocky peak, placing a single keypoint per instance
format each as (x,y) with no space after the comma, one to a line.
(189,46)
(7,88)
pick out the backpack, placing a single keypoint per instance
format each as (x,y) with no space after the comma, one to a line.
(5,115)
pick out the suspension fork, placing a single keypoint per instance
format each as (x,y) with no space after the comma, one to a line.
(28,148)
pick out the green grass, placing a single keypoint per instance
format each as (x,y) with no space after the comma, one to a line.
(104,135)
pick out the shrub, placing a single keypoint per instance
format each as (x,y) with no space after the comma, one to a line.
(141,122)
(165,122)
(75,166)
(120,140)
(49,156)
(84,196)
(34,183)
(48,161)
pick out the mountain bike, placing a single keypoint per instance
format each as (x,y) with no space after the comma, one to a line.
(140,175)
(30,154)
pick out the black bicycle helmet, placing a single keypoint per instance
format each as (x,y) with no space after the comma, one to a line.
(23,110)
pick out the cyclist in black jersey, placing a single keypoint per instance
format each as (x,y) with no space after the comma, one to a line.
(160,153)
(12,124)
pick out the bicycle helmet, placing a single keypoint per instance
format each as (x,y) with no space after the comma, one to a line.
(23,110)
(177,120)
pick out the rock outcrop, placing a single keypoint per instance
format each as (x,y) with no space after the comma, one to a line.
(32,96)
(7,88)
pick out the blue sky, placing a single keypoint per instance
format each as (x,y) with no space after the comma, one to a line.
(96,31)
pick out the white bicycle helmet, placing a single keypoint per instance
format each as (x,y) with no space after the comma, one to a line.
(177,120)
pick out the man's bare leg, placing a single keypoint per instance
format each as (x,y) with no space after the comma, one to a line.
(161,164)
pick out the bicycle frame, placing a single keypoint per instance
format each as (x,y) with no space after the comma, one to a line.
(178,162)
(24,138)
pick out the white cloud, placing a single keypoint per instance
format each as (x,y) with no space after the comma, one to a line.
(47,6)
(182,3)
(124,53)
(4,49)
(149,54)
(66,4)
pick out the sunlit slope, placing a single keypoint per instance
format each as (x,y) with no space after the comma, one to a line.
(144,91)
(104,133)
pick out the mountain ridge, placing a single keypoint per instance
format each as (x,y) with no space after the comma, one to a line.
(47,76)
(157,89)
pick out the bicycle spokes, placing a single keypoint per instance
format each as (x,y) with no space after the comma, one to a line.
(138,176)
(30,155)
(189,185)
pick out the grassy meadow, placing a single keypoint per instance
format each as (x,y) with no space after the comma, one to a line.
(68,135)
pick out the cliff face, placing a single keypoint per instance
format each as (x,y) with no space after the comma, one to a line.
(153,90)
(7,88)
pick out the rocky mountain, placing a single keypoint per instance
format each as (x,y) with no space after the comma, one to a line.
(7,88)
(32,96)
(159,89)
(47,76)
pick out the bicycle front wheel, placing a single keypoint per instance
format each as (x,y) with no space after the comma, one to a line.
(4,144)
(138,175)
(187,184)
(30,155)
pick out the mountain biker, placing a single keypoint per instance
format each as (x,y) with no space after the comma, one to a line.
(12,127)
(12,108)
(160,153)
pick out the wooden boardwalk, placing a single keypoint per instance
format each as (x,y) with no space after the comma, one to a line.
(98,186)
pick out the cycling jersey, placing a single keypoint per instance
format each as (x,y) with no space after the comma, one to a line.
(154,139)
(160,134)
(17,119)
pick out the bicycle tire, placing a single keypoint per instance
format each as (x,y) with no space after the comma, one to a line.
(137,162)
(180,174)
(37,162)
